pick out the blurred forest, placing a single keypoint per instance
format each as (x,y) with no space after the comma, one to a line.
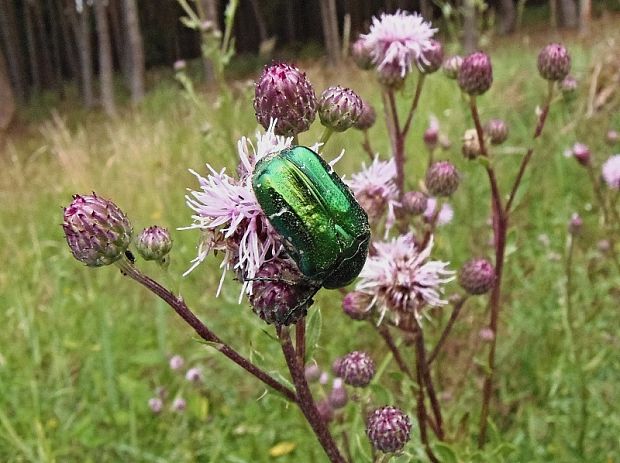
(47,45)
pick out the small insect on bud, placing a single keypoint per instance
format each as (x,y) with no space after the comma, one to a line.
(357,369)
(451,66)
(497,130)
(154,243)
(471,144)
(432,57)
(284,93)
(442,179)
(415,202)
(554,62)
(476,74)
(367,117)
(339,108)
(97,231)
(388,429)
(361,54)
(477,276)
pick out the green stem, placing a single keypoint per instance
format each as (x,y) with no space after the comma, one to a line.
(325,136)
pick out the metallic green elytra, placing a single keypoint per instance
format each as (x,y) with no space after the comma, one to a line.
(324,228)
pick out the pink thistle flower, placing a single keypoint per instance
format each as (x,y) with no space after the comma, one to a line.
(375,189)
(446,214)
(611,172)
(401,279)
(232,221)
(194,375)
(397,41)
(176,362)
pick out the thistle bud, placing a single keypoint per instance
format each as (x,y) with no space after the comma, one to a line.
(357,369)
(451,66)
(361,54)
(476,74)
(97,231)
(442,178)
(339,108)
(367,117)
(338,395)
(575,223)
(388,429)
(477,276)
(431,134)
(497,130)
(415,202)
(432,57)
(312,372)
(274,296)
(156,404)
(336,365)
(390,76)
(471,144)
(581,153)
(612,137)
(554,62)
(356,305)
(283,93)
(326,412)
(154,243)
(568,86)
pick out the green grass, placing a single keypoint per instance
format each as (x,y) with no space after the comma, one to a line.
(82,350)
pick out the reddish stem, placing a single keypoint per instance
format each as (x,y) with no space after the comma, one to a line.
(444,335)
(414,105)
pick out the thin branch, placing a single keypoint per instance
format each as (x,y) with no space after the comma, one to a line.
(446,331)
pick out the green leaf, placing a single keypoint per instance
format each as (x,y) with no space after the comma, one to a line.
(445,453)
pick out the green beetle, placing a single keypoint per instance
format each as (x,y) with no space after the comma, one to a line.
(325,230)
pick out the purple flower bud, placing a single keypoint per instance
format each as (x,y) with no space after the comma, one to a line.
(432,57)
(338,395)
(554,62)
(277,290)
(312,372)
(477,276)
(486,334)
(176,362)
(326,412)
(324,378)
(97,231)
(357,305)
(431,137)
(415,202)
(497,130)
(476,74)
(390,76)
(451,66)
(575,223)
(361,55)
(282,92)
(471,144)
(367,117)
(156,404)
(154,243)
(581,153)
(568,86)
(336,365)
(178,405)
(388,429)
(339,108)
(442,178)
(357,369)
(612,137)
(194,375)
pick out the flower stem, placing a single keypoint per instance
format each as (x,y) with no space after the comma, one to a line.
(305,400)
(367,147)
(414,104)
(446,331)
(398,144)
(327,133)
(201,329)
(300,341)
(421,413)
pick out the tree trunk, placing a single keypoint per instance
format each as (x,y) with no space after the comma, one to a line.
(80,22)
(68,42)
(8,32)
(290,20)
(426,9)
(329,19)
(470,29)
(508,17)
(120,39)
(7,100)
(209,11)
(585,16)
(56,58)
(553,13)
(135,50)
(32,49)
(106,67)
(43,43)
(568,11)
(260,21)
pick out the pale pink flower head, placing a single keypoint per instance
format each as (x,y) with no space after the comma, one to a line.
(611,172)
(397,41)
(176,362)
(194,375)
(446,213)
(228,214)
(401,278)
(375,189)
